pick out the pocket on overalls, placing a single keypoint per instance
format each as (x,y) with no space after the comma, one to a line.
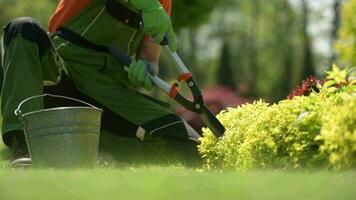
(115,70)
(52,65)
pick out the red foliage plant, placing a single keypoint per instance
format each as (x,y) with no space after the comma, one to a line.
(216,98)
(308,85)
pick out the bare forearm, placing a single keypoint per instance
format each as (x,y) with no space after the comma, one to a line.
(149,51)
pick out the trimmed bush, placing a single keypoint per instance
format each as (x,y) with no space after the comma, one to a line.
(338,134)
(311,132)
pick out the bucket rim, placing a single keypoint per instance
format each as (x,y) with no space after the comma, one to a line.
(62,108)
(18,111)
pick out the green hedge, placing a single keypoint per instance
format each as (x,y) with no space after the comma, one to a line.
(318,131)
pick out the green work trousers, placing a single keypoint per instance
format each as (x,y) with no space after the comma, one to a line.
(32,60)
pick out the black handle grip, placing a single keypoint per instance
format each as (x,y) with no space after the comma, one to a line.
(164,41)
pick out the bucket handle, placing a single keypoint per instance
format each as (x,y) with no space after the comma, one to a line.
(18,111)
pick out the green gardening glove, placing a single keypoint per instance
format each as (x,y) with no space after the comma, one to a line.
(156,22)
(137,74)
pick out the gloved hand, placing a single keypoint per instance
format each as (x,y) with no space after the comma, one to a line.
(137,74)
(156,22)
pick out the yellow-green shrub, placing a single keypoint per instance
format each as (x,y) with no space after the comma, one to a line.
(338,134)
(283,135)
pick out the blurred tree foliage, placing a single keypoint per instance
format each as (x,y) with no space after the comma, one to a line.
(192,13)
(189,13)
(266,46)
(269,43)
(225,75)
(336,22)
(346,44)
(40,9)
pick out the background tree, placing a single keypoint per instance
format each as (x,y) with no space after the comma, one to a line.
(265,41)
(192,13)
(224,74)
(335,28)
(308,62)
(40,9)
(285,35)
(269,46)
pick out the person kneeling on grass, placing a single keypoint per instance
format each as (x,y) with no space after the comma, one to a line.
(78,31)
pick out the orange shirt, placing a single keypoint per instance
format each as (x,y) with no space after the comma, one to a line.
(66,9)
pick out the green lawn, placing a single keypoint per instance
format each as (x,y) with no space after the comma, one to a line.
(171,182)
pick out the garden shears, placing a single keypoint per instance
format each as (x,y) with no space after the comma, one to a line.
(196,105)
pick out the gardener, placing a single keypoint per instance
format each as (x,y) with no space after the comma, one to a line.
(79,31)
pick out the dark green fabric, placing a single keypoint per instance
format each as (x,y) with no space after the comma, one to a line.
(29,29)
(97,25)
(1,72)
(101,76)
(95,74)
(108,87)
(24,76)
(153,150)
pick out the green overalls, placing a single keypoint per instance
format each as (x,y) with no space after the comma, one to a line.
(33,60)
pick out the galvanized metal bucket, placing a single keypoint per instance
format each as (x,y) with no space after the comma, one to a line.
(62,137)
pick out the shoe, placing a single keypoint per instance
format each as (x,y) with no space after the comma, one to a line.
(20,156)
(21,163)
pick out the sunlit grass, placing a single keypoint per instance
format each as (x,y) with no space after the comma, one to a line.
(170,182)
(154,182)
(4,156)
